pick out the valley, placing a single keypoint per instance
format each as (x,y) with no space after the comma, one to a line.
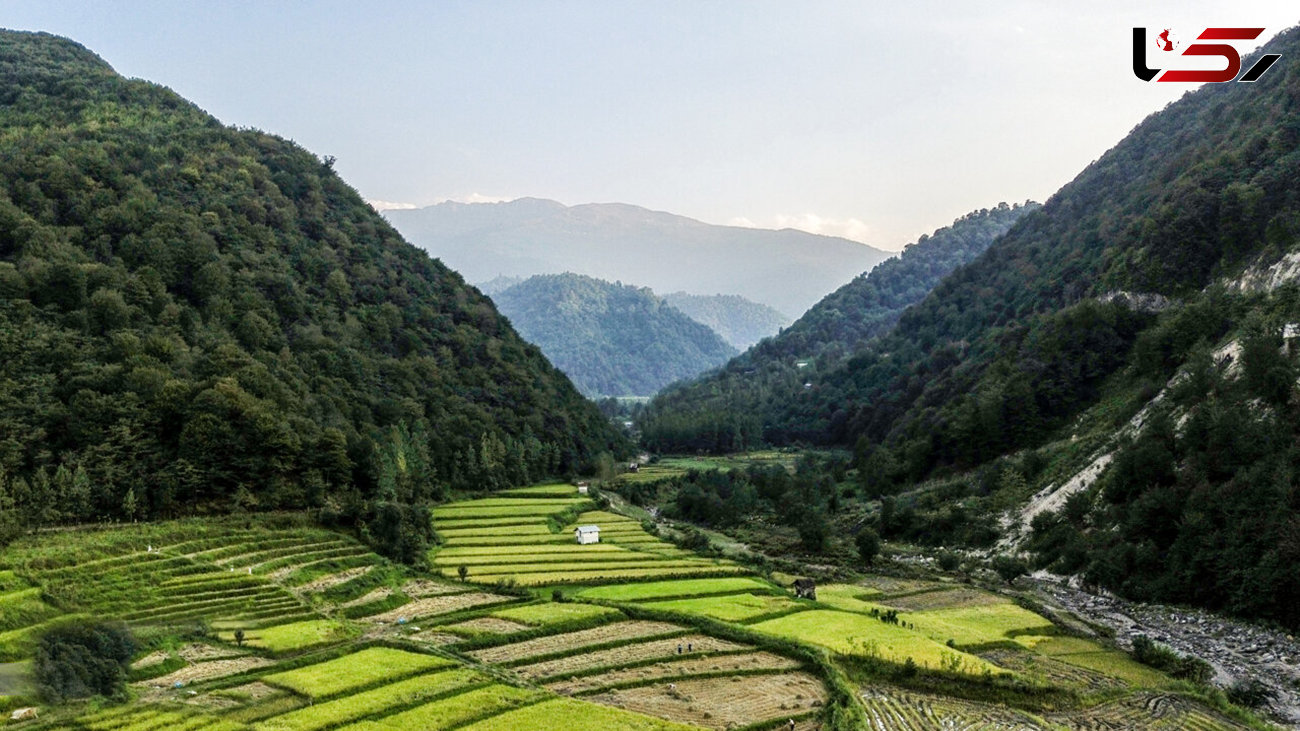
(264,622)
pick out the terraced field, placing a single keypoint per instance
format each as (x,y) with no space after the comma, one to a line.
(643,637)
(527,539)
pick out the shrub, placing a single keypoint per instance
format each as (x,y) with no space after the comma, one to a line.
(83,659)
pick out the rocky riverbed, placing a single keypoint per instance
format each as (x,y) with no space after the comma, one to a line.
(1236,650)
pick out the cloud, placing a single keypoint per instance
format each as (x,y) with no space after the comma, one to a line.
(480,198)
(390,206)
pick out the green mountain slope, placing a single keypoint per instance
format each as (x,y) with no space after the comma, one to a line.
(1121,351)
(727,410)
(611,339)
(196,317)
(739,321)
(788,270)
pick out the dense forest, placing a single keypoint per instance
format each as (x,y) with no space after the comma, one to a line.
(198,318)
(739,321)
(733,408)
(612,339)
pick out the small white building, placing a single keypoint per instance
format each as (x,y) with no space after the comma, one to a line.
(587,534)
(582,488)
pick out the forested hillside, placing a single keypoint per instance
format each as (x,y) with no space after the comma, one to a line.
(611,339)
(739,321)
(727,410)
(1110,325)
(197,318)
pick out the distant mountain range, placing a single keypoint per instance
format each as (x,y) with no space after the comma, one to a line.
(788,270)
(610,339)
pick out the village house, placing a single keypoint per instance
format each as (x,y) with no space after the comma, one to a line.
(587,534)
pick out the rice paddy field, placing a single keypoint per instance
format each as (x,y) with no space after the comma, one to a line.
(272,623)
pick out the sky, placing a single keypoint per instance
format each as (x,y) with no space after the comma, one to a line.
(873,121)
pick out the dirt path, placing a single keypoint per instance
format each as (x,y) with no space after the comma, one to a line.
(1236,650)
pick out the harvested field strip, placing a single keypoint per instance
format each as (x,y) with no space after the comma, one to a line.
(1050,670)
(439,604)
(453,710)
(627,655)
(554,644)
(450,554)
(401,694)
(484,625)
(286,573)
(675,589)
(961,596)
(523,568)
(355,671)
(1148,711)
(729,608)
(329,581)
(247,553)
(601,557)
(747,662)
(209,670)
(894,709)
(257,557)
(552,613)
(724,702)
(561,577)
(573,715)
(302,559)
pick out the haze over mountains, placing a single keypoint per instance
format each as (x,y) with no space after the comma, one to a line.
(788,270)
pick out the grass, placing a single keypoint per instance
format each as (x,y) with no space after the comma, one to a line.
(402,694)
(730,608)
(680,588)
(453,710)
(354,671)
(552,613)
(1092,656)
(853,634)
(572,715)
(964,625)
(295,635)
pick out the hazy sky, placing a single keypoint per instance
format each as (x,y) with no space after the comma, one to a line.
(879,121)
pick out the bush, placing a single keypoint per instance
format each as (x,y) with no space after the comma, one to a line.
(1184,667)
(1249,693)
(82,660)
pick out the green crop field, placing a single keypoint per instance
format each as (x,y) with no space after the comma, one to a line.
(353,671)
(295,635)
(666,589)
(849,633)
(401,694)
(312,662)
(453,710)
(552,613)
(730,608)
(572,715)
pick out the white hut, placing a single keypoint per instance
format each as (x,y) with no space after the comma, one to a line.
(587,534)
